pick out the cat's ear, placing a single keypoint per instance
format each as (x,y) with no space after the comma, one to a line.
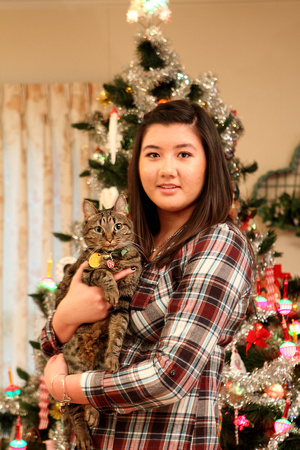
(121,204)
(88,209)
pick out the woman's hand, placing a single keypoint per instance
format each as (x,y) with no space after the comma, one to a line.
(59,384)
(82,304)
(55,368)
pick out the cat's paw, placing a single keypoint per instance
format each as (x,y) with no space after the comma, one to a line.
(91,416)
(111,363)
(112,297)
(83,441)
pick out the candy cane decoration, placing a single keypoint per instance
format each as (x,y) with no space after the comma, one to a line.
(43,405)
(270,288)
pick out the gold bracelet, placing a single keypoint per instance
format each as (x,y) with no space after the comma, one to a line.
(66,398)
(51,388)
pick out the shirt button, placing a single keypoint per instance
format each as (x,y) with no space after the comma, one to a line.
(172,373)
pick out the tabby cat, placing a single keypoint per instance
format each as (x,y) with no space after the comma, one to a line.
(109,237)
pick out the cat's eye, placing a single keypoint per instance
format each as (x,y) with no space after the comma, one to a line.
(99,229)
(118,226)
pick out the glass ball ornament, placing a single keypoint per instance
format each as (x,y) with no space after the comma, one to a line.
(275,391)
(132,16)
(99,155)
(285,306)
(282,425)
(12,390)
(261,302)
(294,328)
(18,442)
(47,283)
(288,349)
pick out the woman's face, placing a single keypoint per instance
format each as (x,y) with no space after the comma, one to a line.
(172,167)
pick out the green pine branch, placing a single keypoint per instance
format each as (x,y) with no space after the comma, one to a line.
(39,299)
(163,89)
(23,374)
(149,55)
(111,174)
(119,93)
(267,243)
(283,213)
(63,237)
(195,93)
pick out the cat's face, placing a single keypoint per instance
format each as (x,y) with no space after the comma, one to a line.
(108,229)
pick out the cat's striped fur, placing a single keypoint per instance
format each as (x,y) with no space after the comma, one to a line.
(109,234)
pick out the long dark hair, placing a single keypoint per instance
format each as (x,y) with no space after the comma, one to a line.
(215,200)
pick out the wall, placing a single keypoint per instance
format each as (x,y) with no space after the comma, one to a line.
(252,46)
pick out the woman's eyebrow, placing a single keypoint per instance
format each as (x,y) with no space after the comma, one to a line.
(150,146)
(178,146)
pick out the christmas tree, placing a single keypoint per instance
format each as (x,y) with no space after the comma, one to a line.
(259,399)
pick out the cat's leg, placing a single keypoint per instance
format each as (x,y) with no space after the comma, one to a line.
(105,279)
(77,415)
(118,324)
(91,415)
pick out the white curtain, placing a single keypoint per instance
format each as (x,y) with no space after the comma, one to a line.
(41,157)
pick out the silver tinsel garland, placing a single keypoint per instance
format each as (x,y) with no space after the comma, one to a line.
(141,82)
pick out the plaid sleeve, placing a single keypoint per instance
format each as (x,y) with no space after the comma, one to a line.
(49,344)
(203,312)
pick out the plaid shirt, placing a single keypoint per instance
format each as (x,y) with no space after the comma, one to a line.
(164,395)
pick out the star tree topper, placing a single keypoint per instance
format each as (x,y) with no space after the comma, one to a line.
(146,9)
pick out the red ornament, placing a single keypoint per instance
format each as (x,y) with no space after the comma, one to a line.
(241,422)
(257,336)
(246,222)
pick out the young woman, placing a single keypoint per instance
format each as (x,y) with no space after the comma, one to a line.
(193,294)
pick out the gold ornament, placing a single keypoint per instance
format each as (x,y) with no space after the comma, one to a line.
(275,391)
(103,99)
(128,90)
(55,411)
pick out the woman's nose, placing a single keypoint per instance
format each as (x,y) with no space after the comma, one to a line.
(168,167)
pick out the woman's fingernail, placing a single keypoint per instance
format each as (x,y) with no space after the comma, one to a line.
(133,268)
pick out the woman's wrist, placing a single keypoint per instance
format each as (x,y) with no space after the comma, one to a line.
(56,386)
(66,389)
(58,389)
(62,330)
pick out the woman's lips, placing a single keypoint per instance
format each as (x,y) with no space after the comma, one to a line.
(169,188)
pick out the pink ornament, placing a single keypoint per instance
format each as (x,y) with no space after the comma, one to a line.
(261,302)
(285,306)
(282,426)
(288,349)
